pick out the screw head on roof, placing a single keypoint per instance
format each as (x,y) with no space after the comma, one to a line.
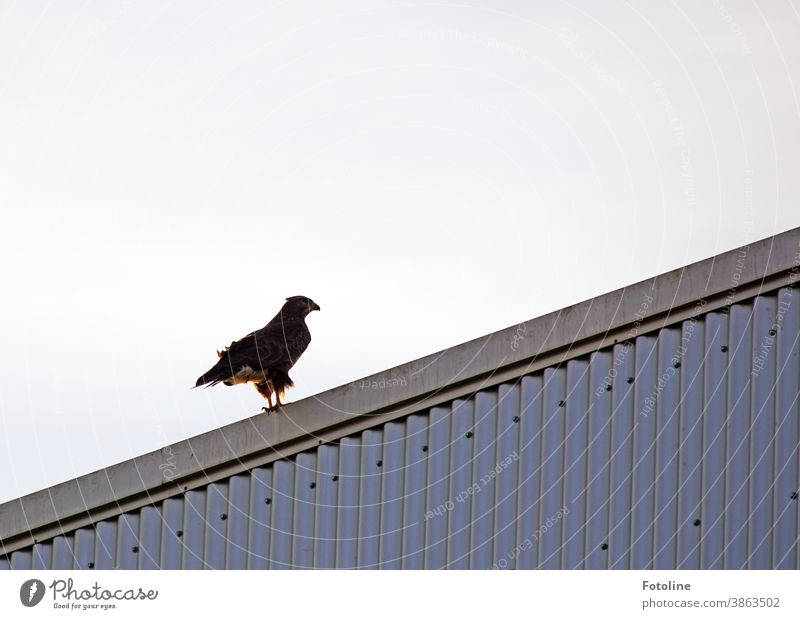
(772,332)
(696,522)
(793,496)
(630,380)
(676,364)
(515,419)
(379,463)
(312,485)
(561,403)
(603,546)
(223,516)
(723,348)
(90,565)
(608,387)
(179,533)
(424,448)
(468,435)
(135,549)
(268,500)
(335,478)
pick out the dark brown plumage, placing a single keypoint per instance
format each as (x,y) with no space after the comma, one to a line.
(264,357)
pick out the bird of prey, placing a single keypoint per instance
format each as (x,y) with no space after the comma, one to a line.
(264,357)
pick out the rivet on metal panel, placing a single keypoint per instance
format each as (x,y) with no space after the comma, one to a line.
(335,478)
(561,403)
(608,387)
(793,496)
(312,485)
(468,435)
(223,516)
(603,546)
(267,500)
(696,522)
(515,419)
(772,332)
(676,364)
(135,549)
(379,463)
(630,379)
(179,533)
(90,565)
(424,448)
(723,348)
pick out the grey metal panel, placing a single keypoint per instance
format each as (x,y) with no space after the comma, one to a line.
(667,449)
(63,557)
(530,458)
(369,511)
(787,432)
(482,438)
(282,515)
(347,518)
(328,489)
(172,534)
(391,516)
(552,489)
(762,434)
(459,517)
(305,493)
(260,515)
(619,535)
(5,564)
(194,529)
(505,476)
(84,549)
(644,452)
(601,383)
(690,450)
(712,540)
(737,465)
(149,538)
(21,560)
(105,550)
(216,525)
(678,449)
(437,500)
(575,462)
(238,521)
(417,450)
(42,556)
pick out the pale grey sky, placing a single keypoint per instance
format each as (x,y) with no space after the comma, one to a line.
(426,172)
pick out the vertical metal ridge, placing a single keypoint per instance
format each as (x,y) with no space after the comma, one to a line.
(596,497)
(576,439)
(667,446)
(739,420)
(787,428)
(550,528)
(369,510)
(712,519)
(761,472)
(620,480)
(690,448)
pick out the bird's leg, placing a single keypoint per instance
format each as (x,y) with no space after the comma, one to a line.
(268,408)
(278,403)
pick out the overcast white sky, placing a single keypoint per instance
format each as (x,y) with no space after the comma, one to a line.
(426,172)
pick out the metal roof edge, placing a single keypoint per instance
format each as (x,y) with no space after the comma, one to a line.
(454,372)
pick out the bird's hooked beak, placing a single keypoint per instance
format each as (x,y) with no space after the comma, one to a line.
(313,307)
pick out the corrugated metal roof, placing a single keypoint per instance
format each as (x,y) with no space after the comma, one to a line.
(655,426)
(676,449)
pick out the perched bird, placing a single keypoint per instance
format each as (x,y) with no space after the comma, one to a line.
(264,357)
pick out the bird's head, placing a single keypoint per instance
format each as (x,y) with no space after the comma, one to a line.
(299,306)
